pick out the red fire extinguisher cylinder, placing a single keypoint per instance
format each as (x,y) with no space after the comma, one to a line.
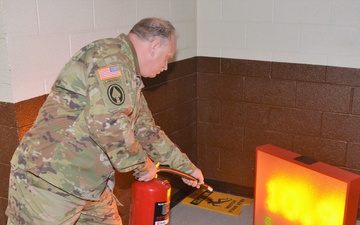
(150,202)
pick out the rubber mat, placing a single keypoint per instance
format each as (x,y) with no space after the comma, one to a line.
(217,201)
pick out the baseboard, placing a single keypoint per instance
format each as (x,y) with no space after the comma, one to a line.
(219,186)
(179,195)
(230,188)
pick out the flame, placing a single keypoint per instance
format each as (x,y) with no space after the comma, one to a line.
(300,202)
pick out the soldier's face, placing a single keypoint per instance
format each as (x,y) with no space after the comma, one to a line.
(159,56)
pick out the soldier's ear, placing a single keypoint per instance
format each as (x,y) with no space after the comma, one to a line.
(154,46)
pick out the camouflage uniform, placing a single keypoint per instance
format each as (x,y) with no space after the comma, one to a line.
(95,120)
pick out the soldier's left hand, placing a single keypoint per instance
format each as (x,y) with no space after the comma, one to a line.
(198,175)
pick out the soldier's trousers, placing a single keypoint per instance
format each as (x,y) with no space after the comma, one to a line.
(36,202)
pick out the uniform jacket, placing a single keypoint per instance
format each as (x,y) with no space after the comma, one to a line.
(95,121)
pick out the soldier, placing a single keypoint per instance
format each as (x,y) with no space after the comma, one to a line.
(95,121)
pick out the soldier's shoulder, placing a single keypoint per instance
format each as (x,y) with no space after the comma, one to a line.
(94,46)
(99,43)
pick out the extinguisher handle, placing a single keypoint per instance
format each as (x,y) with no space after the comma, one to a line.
(185,175)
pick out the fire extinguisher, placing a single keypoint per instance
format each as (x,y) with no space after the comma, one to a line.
(150,201)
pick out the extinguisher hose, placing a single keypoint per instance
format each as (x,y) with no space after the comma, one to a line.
(184,175)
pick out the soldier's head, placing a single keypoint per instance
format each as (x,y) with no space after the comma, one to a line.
(154,40)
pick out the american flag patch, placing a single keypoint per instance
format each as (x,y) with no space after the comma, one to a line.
(109,72)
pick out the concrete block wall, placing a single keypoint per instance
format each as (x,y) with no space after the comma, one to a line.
(171,97)
(218,110)
(309,109)
(39,36)
(252,84)
(320,32)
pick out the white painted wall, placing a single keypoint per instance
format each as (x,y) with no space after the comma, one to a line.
(37,37)
(41,35)
(5,78)
(321,32)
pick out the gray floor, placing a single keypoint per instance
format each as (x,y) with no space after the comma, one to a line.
(183,214)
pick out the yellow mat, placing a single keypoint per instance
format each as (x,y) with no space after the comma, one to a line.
(217,201)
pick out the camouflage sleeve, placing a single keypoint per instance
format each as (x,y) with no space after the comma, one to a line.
(157,144)
(113,133)
(108,115)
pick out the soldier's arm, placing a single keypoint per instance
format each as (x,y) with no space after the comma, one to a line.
(157,144)
(108,117)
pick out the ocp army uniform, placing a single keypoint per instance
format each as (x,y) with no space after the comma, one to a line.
(94,120)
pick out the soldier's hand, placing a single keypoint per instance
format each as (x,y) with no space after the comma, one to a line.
(198,175)
(148,172)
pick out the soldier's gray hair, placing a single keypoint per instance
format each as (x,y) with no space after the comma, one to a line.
(150,28)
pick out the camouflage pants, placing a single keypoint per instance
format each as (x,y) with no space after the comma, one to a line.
(36,202)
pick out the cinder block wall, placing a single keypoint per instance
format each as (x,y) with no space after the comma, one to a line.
(171,98)
(8,142)
(218,110)
(309,109)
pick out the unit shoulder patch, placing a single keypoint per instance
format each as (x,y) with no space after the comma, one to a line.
(116,94)
(109,72)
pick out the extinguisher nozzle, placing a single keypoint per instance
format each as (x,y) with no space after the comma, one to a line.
(207,187)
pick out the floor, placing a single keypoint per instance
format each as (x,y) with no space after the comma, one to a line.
(183,214)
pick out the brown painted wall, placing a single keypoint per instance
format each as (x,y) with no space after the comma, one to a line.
(312,110)
(8,142)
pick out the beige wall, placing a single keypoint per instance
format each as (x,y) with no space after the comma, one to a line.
(5,79)
(321,32)
(41,35)
(38,36)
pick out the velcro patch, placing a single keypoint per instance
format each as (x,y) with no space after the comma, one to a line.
(109,72)
(116,94)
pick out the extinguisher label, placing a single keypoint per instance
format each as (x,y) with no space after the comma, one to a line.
(162,210)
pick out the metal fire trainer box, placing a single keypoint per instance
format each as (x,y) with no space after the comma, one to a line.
(291,189)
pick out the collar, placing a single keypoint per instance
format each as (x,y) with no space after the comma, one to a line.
(125,39)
